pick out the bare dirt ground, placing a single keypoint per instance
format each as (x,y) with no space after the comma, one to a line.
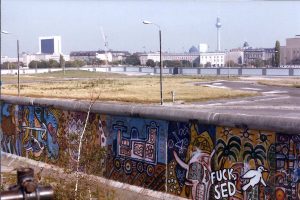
(63,182)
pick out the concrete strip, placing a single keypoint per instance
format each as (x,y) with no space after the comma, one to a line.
(255,89)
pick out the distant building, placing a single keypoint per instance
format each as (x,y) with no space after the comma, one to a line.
(88,56)
(109,56)
(50,45)
(235,55)
(264,54)
(119,55)
(213,59)
(8,59)
(27,58)
(191,57)
(49,49)
(193,49)
(203,48)
(290,52)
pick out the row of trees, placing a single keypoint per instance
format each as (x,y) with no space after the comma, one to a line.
(55,64)
(11,65)
(172,63)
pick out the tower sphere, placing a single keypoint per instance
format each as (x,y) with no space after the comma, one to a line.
(218,23)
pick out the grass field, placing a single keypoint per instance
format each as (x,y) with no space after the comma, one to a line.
(117,87)
(291,82)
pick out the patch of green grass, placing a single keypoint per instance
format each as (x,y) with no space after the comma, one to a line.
(78,74)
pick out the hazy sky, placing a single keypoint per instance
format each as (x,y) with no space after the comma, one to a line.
(183,22)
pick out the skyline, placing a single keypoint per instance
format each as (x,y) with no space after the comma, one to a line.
(183,24)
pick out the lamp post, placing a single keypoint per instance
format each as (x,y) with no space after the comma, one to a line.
(160,60)
(18,68)
(2,32)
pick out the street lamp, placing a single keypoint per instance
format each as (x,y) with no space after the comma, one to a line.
(2,32)
(18,63)
(160,60)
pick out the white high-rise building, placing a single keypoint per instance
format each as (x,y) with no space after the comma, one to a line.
(50,45)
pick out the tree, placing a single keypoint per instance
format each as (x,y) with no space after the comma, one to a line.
(277,54)
(258,63)
(229,151)
(230,63)
(172,63)
(240,60)
(11,65)
(75,64)
(150,63)
(133,60)
(185,63)
(208,64)
(53,64)
(33,64)
(256,154)
(62,61)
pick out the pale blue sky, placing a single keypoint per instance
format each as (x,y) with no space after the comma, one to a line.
(183,22)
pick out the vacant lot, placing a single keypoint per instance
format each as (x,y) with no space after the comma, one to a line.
(116,87)
(287,82)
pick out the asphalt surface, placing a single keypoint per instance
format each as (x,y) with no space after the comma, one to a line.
(272,100)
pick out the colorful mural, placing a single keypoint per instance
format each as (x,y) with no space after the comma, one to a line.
(287,177)
(191,160)
(29,129)
(136,152)
(190,148)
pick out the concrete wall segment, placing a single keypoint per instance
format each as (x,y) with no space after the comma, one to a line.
(272,123)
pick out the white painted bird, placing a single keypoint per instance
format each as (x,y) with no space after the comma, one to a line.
(255,177)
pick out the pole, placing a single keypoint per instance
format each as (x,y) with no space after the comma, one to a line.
(18,68)
(161,68)
(1,133)
(0,52)
(228,68)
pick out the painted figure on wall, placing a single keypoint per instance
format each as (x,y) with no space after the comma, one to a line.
(136,152)
(11,129)
(288,166)
(198,173)
(246,153)
(190,151)
(29,128)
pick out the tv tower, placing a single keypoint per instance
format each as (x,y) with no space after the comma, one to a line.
(218,25)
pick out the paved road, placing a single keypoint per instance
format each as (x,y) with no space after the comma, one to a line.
(273,100)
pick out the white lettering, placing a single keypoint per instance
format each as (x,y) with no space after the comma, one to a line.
(219,175)
(217,193)
(231,175)
(213,177)
(231,189)
(223,190)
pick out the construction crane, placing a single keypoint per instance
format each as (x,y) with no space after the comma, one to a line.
(104,37)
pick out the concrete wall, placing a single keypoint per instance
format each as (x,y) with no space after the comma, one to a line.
(183,71)
(188,153)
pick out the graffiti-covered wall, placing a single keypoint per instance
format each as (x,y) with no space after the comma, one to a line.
(188,159)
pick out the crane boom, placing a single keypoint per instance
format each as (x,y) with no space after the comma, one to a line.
(104,37)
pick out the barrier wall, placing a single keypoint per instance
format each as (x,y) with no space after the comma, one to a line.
(234,71)
(187,153)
